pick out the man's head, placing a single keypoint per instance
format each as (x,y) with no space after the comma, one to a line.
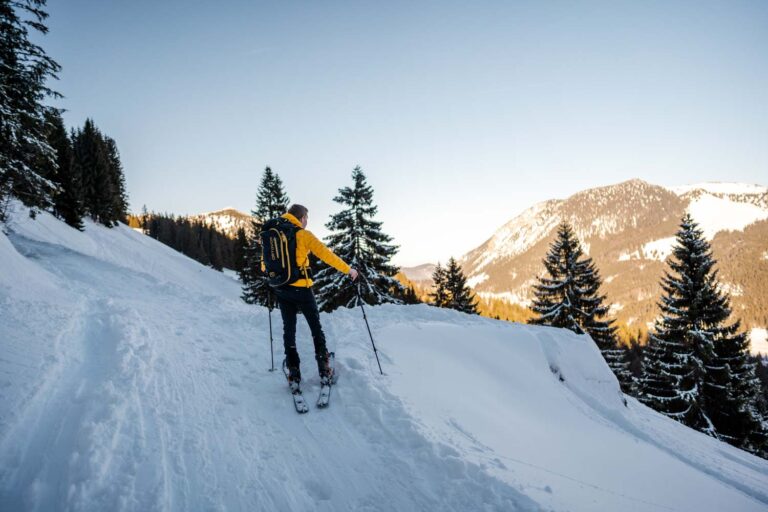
(300,212)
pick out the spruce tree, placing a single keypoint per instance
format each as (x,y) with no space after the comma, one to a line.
(96,162)
(24,70)
(271,202)
(410,297)
(568,297)
(460,297)
(238,255)
(697,368)
(439,295)
(117,206)
(358,240)
(67,199)
(144,220)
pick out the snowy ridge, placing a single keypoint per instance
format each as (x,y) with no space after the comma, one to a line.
(227,220)
(519,234)
(715,214)
(721,188)
(133,378)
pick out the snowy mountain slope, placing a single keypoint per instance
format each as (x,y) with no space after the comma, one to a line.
(135,379)
(227,220)
(420,274)
(629,228)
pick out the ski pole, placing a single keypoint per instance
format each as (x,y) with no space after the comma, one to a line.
(375,352)
(271,350)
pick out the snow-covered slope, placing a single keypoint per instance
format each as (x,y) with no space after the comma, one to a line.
(227,220)
(132,378)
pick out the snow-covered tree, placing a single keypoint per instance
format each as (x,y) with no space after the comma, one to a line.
(24,70)
(697,368)
(271,202)
(358,240)
(459,295)
(568,297)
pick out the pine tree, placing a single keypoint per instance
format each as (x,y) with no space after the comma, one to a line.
(24,70)
(117,206)
(440,294)
(733,395)
(697,368)
(67,199)
(410,297)
(144,220)
(460,297)
(569,298)
(358,240)
(238,255)
(96,164)
(271,202)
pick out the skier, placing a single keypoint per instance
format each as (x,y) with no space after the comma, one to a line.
(297,296)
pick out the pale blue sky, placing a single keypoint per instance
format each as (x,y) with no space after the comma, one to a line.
(462,114)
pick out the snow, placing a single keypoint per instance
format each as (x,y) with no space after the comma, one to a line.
(477,279)
(721,188)
(659,249)
(133,378)
(509,297)
(227,220)
(732,289)
(626,256)
(758,338)
(656,250)
(715,214)
(519,234)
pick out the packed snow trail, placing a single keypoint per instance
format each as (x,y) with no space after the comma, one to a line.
(132,378)
(156,397)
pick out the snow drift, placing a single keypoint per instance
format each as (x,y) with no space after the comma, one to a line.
(132,378)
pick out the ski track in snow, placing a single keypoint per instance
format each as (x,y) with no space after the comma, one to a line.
(134,379)
(151,408)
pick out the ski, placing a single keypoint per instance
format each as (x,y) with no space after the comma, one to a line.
(298,401)
(298,398)
(326,384)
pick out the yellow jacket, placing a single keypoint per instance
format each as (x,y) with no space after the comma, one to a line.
(306,242)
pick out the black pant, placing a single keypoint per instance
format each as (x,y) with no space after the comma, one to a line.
(293,299)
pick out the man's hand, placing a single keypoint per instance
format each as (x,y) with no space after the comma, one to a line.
(353,273)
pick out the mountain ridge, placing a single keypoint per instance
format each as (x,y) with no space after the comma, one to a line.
(629,228)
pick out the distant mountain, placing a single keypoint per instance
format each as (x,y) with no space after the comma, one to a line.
(629,230)
(227,220)
(421,274)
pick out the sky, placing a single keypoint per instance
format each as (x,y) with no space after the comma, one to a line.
(461,114)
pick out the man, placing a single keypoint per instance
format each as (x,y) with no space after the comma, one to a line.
(298,296)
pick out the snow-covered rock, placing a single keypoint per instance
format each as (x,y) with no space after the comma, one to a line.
(133,378)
